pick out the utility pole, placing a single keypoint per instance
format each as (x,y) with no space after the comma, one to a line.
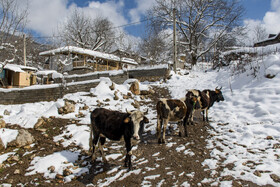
(174,42)
(24,49)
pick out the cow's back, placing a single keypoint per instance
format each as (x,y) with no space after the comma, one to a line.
(172,109)
(109,123)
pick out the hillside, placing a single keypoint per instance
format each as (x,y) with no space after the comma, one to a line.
(240,145)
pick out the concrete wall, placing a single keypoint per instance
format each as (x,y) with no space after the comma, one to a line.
(74,84)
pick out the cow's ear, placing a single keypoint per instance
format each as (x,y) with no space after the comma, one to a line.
(126,120)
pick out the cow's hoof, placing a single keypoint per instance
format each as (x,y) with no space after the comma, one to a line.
(161,140)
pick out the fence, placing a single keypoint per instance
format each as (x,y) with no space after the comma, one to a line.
(72,84)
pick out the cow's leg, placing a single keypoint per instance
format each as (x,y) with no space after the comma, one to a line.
(90,140)
(159,126)
(207,115)
(191,118)
(165,122)
(101,143)
(203,114)
(127,161)
(94,147)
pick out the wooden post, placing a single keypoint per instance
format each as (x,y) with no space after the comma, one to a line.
(174,42)
(107,65)
(24,49)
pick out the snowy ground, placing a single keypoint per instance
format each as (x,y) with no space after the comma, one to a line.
(246,125)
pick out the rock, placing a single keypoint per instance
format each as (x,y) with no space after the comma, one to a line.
(23,138)
(116,96)
(2,123)
(257,173)
(51,169)
(85,107)
(107,100)
(125,97)
(58,176)
(7,113)
(2,146)
(276,146)
(136,104)
(275,178)
(112,87)
(67,172)
(269,138)
(134,88)
(17,171)
(69,107)
(39,123)
(13,159)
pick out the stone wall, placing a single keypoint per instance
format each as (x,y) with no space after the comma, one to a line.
(82,83)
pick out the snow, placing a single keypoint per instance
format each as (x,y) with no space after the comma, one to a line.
(8,135)
(82,51)
(246,125)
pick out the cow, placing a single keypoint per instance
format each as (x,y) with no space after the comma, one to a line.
(114,125)
(173,110)
(207,98)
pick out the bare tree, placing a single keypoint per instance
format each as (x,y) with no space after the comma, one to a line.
(153,46)
(13,19)
(85,32)
(196,20)
(260,32)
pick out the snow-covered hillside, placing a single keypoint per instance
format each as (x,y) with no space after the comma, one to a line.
(246,126)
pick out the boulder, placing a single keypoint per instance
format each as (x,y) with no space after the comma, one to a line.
(135,88)
(2,123)
(69,107)
(7,113)
(2,146)
(23,138)
(39,123)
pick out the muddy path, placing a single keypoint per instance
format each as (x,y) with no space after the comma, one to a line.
(178,162)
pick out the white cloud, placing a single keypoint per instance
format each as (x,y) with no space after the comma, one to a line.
(270,22)
(140,10)
(271,18)
(46,15)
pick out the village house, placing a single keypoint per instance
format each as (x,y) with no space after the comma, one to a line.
(78,60)
(272,39)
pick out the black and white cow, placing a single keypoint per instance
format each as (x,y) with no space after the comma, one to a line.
(207,98)
(114,125)
(173,110)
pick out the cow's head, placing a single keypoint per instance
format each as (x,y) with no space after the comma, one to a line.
(219,94)
(137,118)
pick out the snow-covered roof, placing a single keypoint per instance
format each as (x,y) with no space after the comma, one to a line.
(78,50)
(18,68)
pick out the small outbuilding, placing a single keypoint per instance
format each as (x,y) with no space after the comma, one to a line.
(17,76)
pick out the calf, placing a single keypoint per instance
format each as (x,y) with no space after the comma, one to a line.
(173,110)
(207,99)
(114,125)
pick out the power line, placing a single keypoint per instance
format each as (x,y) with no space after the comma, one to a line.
(116,27)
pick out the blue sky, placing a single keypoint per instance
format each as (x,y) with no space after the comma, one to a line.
(47,15)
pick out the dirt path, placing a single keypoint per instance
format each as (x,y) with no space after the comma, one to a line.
(176,163)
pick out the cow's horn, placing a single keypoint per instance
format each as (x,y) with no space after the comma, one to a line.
(127,111)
